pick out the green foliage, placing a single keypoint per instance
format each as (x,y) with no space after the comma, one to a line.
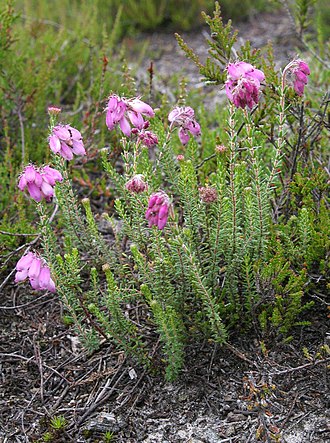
(221,48)
(44,61)
(108,437)
(58,422)
(322,14)
(310,18)
(245,260)
(302,10)
(56,432)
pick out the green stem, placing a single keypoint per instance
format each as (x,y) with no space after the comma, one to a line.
(232,156)
(281,132)
(255,166)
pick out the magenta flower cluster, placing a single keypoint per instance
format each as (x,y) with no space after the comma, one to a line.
(32,267)
(66,141)
(39,182)
(158,209)
(127,112)
(300,70)
(147,138)
(184,117)
(243,84)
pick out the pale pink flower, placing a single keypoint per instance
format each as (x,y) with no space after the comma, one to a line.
(147,138)
(243,84)
(299,70)
(136,184)
(220,149)
(127,112)
(158,209)
(208,194)
(66,141)
(39,182)
(32,267)
(184,117)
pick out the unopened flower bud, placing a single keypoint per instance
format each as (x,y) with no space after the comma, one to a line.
(53,110)
(208,194)
(220,149)
(180,158)
(136,184)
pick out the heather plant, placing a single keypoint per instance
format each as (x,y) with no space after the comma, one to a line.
(209,246)
(43,62)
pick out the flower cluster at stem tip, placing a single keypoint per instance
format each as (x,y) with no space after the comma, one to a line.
(66,141)
(243,84)
(208,194)
(39,182)
(158,209)
(147,138)
(32,267)
(184,117)
(136,184)
(126,112)
(299,70)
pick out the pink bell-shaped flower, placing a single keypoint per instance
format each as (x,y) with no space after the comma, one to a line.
(243,84)
(127,112)
(33,267)
(158,209)
(66,141)
(184,117)
(39,182)
(299,70)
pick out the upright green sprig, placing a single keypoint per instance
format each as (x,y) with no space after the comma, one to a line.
(232,134)
(258,184)
(280,119)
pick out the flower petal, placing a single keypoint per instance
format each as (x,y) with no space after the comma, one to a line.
(21,275)
(30,174)
(35,268)
(44,277)
(125,126)
(78,147)
(22,183)
(66,151)
(34,192)
(140,107)
(25,261)
(51,286)
(62,132)
(183,136)
(54,143)
(136,119)
(47,189)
